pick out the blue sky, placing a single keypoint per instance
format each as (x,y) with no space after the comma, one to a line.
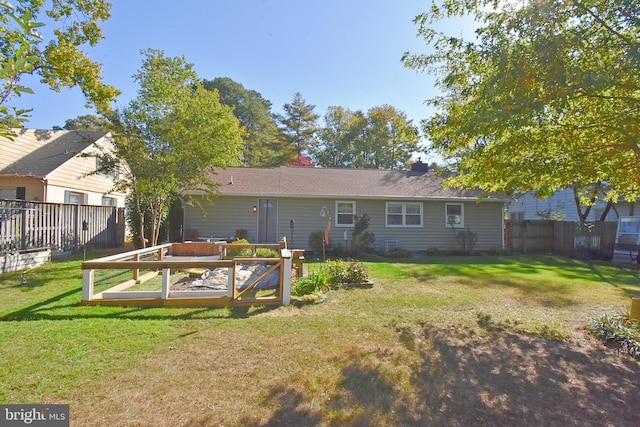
(334,52)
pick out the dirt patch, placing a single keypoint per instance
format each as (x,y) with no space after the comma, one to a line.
(218,279)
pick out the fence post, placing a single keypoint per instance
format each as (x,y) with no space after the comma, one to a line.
(88,278)
(285,254)
(166,273)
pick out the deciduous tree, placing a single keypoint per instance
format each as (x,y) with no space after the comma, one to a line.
(60,62)
(172,136)
(545,97)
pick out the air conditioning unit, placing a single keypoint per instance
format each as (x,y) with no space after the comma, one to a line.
(454,219)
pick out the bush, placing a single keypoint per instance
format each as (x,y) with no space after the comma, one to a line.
(399,253)
(307,285)
(362,240)
(432,251)
(498,252)
(339,271)
(467,240)
(240,252)
(266,253)
(315,241)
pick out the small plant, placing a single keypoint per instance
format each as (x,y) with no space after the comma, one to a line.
(498,252)
(467,240)
(266,253)
(617,330)
(315,241)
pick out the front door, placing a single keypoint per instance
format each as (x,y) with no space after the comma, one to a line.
(267,221)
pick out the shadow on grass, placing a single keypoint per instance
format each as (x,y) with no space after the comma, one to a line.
(54,308)
(461,379)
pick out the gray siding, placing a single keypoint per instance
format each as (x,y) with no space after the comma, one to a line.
(231,213)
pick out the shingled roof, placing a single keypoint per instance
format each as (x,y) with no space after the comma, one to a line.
(331,182)
(37,153)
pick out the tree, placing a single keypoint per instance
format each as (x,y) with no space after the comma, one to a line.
(336,138)
(300,124)
(88,122)
(381,139)
(172,136)
(546,97)
(264,143)
(60,62)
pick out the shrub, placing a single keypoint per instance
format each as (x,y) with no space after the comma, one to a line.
(399,253)
(315,241)
(240,252)
(307,285)
(266,253)
(339,271)
(498,252)
(467,240)
(432,251)
(362,239)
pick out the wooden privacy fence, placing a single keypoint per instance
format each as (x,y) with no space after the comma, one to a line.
(26,225)
(592,239)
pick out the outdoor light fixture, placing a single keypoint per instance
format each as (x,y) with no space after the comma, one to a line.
(254,209)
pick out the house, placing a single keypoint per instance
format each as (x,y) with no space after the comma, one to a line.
(58,167)
(407,209)
(561,206)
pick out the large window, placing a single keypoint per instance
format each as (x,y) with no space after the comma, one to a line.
(404,214)
(345,212)
(454,215)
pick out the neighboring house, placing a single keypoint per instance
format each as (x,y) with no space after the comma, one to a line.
(58,167)
(407,209)
(561,206)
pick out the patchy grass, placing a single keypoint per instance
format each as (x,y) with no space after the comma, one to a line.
(455,341)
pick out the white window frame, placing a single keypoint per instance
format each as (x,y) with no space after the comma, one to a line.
(353,213)
(109,201)
(81,196)
(404,214)
(447,223)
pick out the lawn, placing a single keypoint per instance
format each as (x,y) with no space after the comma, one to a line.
(436,341)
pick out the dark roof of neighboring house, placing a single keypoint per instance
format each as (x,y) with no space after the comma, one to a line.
(331,182)
(48,150)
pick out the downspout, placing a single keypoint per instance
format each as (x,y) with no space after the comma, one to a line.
(504,210)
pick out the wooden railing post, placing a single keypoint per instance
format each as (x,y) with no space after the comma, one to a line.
(88,280)
(136,271)
(166,274)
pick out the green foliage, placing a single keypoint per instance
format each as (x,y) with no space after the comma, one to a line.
(382,139)
(59,61)
(340,271)
(313,283)
(545,96)
(239,252)
(362,240)
(266,253)
(498,252)
(315,240)
(263,143)
(171,137)
(300,124)
(618,330)
(467,240)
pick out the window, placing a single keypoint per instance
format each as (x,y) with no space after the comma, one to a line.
(75,198)
(345,212)
(108,201)
(516,216)
(404,214)
(454,215)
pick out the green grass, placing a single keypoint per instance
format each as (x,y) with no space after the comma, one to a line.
(389,355)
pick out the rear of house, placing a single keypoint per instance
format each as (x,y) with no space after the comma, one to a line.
(407,209)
